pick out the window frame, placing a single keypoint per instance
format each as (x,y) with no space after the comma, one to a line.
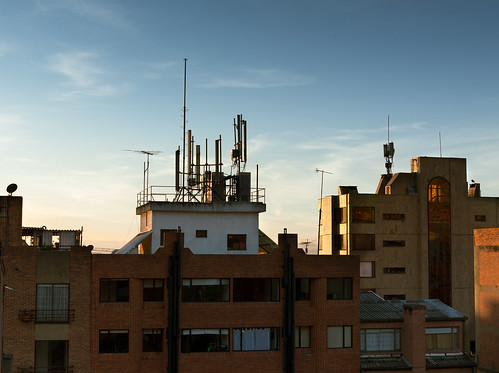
(236,242)
(157,294)
(156,343)
(114,341)
(363,214)
(300,331)
(185,346)
(362,238)
(373,269)
(300,294)
(346,284)
(344,336)
(271,289)
(52,314)
(189,290)
(455,337)
(274,336)
(395,334)
(108,298)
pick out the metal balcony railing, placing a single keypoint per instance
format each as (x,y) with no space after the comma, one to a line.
(53,316)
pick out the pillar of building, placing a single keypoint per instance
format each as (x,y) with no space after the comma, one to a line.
(414,336)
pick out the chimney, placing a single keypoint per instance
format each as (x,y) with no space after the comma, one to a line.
(414,336)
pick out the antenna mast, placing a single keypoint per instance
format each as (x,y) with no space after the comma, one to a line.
(183,139)
(388,151)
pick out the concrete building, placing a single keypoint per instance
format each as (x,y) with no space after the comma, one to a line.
(414,235)
(416,336)
(487,299)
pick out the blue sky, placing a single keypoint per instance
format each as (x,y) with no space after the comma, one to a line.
(82,80)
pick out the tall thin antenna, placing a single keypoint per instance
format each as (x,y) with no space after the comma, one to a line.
(388,152)
(183,147)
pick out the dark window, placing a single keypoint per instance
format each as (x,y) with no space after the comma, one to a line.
(380,339)
(393,216)
(114,290)
(201,233)
(340,215)
(152,340)
(480,218)
(205,340)
(394,296)
(363,214)
(255,339)
(302,289)
(236,242)
(363,242)
(3,211)
(396,270)
(256,289)
(51,356)
(339,288)
(113,341)
(302,336)
(339,336)
(153,290)
(205,290)
(392,243)
(367,269)
(439,241)
(52,303)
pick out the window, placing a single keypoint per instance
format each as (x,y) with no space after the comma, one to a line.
(52,303)
(363,241)
(339,288)
(394,270)
(394,217)
(391,243)
(152,340)
(339,336)
(302,336)
(340,215)
(205,290)
(394,296)
(113,341)
(153,290)
(302,289)
(366,269)
(51,356)
(442,338)
(379,339)
(255,339)
(114,290)
(3,211)
(340,241)
(201,233)
(256,290)
(205,340)
(480,218)
(362,214)
(236,242)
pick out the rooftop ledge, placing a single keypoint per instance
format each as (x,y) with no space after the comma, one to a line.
(223,207)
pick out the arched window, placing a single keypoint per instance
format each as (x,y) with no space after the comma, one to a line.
(439,240)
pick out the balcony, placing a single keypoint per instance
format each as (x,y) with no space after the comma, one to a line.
(53,316)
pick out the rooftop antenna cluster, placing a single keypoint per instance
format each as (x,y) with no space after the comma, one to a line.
(388,151)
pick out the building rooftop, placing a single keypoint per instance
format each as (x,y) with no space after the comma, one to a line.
(375,308)
(391,362)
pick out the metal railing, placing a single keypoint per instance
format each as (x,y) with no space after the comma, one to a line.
(53,316)
(162,193)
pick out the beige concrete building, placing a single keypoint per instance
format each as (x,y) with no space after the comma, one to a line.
(415,234)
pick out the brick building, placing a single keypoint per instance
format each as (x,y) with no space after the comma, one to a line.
(487,299)
(418,336)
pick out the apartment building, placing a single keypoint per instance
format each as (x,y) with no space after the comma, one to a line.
(414,235)
(417,336)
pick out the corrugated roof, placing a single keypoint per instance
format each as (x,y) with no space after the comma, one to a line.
(384,363)
(265,243)
(375,308)
(449,361)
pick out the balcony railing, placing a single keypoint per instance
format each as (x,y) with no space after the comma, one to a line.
(47,316)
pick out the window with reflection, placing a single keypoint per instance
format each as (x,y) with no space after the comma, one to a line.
(439,240)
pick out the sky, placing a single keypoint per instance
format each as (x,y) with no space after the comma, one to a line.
(83,80)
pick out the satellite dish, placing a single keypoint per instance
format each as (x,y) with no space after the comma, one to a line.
(11,188)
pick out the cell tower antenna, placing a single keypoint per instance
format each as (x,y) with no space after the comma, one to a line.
(388,151)
(148,153)
(183,139)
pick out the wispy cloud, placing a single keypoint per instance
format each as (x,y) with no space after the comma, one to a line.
(103,12)
(266,78)
(83,75)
